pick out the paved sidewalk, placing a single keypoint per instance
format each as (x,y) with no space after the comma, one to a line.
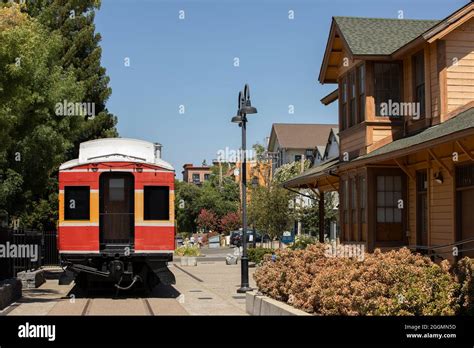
(206,289)
(41,301)
(210,288)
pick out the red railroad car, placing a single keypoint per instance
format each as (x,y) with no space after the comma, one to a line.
(116,213)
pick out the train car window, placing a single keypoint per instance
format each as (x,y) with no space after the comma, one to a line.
(156,203)
(116,189)
(76,202)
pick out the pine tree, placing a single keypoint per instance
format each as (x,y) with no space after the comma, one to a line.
(81,53)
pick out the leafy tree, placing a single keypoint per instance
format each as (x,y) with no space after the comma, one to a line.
(230,222)
(44,61)
(309,214)
(259,149)
(34,140)
(207,220)
(289,170)
(269,210)
(187,209)
(220,201)
(73,20)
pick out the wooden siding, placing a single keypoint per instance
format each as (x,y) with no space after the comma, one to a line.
(460,66)
(354,140)
(378,136)
(441,197)
(441,209)
(434,84)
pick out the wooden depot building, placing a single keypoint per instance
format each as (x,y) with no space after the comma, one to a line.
(405,174)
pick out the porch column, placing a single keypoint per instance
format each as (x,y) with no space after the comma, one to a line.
(321,216)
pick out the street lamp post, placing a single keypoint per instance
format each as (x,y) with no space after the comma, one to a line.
(244,107)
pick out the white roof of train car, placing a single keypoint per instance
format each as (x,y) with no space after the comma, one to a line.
(117,150)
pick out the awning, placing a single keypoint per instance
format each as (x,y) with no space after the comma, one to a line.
(310,177)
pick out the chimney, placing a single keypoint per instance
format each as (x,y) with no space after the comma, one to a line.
(158,147)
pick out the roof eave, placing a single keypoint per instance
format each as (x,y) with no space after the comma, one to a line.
(407,151)
(432,34)
(327,52)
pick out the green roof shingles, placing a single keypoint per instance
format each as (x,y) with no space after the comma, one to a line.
(380,36)
(463,121)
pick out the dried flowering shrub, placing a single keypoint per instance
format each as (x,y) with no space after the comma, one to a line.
(464,274)
(384,283)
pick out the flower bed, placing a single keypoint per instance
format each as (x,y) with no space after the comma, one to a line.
(389,283)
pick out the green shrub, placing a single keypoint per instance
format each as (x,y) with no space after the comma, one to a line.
(301,242)
(464,275)
(257,254)
(389,283)
(188,250)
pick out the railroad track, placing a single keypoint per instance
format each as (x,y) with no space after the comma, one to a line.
(85,311)
(148,308)
(146,305)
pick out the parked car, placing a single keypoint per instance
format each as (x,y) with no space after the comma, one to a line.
(179,241)
(236,237)
(266,238)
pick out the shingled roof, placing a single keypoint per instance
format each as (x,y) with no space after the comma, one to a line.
(380,36)
(461,122)
(300,135)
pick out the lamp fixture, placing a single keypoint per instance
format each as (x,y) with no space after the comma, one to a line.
(236,119)
(439,177)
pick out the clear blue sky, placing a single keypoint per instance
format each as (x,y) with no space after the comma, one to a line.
(190,62)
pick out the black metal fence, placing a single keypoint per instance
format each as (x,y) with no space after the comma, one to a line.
(26,249)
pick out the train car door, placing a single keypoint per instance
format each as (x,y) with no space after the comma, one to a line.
(116,211)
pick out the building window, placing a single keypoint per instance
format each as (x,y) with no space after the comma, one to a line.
(343,110)
(353,201)
(156,203)
(465,176)
(389,192)
(352,101)
(206,177)
(76,202)
(297,158)
(419,81)
(196,178)
(362,198)
(387,85)
(309,154)
(346,201)
(361,103)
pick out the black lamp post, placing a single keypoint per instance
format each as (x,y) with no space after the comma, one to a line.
(254,186)
(244,107)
